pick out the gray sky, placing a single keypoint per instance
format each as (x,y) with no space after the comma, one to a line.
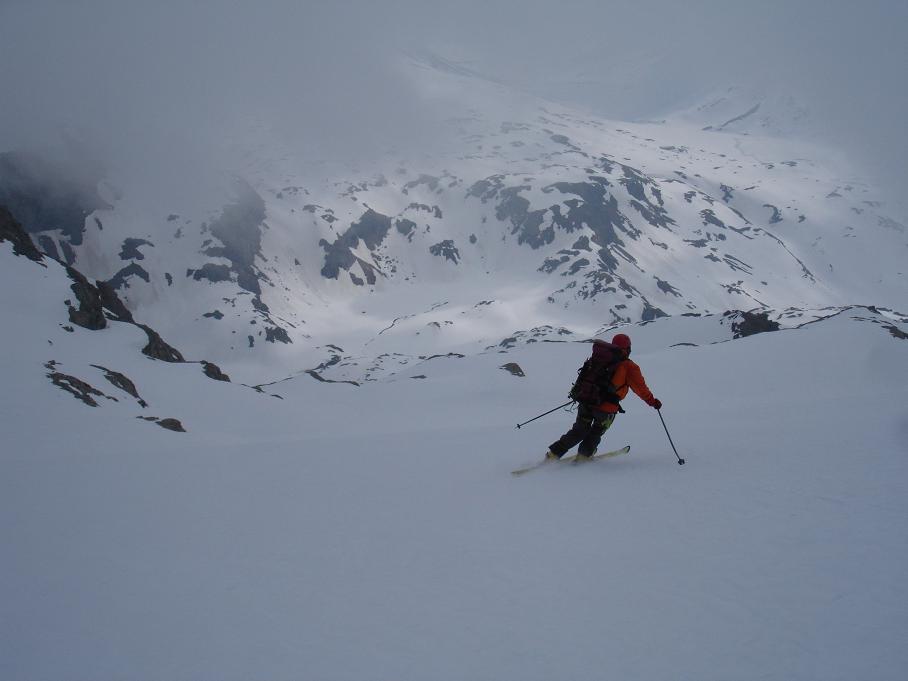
(150,82)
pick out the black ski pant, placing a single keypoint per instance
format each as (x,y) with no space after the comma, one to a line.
(588,429)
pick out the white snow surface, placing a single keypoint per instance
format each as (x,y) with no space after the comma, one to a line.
(351,532)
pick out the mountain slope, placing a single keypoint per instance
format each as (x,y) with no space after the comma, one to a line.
(522,210)
(348,531)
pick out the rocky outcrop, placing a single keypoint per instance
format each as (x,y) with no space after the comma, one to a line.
(157,348)
(749,323)
(239,229)
(76,387)
(44,195)
(514,369)
(90,313)
(130,249)
(12,231)
(168,423)
(122,382)
(171,424)
(372,228)
(213,371)
(93,301)
(120,279)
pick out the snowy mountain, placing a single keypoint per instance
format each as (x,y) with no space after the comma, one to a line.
(270,435)
(526,215)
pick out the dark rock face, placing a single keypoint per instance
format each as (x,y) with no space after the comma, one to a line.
(750,323)
(49,247)
(446,249)
(157,348)
(77,388)
(112,303)
(513,368)
(372,228)
(896,331)
(406,227)
(277,334)
(776,214)
(211,272)
(650,312)
(130,249)
(171,424)
(93,301)
(90,314)
(239,228)
(12,231)
(119,280)
(318,377)
(44,196)
(214,372)
(122,382)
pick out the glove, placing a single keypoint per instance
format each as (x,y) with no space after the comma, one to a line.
(657,404)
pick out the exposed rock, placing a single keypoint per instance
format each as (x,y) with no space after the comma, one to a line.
(211,272)
(48,246)
(429,180)
(112,303)
(93,300)
(750,323)
(372,228)
(171,424)
(69,255)
(12,231)
(513,368)
(130,249)
(277,333)
(322,379)
(650,312)
(776,214)
(447,249)
(122,382)
(213,371)
(90,314)
(896,331)
(118,281)
(406,227)
(157,348)
(45,196)
(77,388)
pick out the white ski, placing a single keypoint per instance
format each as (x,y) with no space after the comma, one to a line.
(571,460)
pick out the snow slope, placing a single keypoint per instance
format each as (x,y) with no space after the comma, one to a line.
(374,531)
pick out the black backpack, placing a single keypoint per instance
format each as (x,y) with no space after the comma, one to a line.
(594,379)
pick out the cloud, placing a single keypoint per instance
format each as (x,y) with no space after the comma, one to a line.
(155,86)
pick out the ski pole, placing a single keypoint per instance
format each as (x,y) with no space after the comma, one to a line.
(680,460)
(560,406)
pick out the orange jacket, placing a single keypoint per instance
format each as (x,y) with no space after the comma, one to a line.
(628,375)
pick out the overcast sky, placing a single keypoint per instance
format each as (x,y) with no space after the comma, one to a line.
(145,81)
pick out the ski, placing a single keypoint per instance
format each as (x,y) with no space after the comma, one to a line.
(571,460)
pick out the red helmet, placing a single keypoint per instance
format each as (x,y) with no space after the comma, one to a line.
(622,341)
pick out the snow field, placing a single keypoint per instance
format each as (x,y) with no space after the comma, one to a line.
(375,532)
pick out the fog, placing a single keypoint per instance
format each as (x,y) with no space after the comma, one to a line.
(167,89)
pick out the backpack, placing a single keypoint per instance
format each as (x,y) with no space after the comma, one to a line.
(594,379)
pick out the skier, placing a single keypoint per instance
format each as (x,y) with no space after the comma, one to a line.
(593,419)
